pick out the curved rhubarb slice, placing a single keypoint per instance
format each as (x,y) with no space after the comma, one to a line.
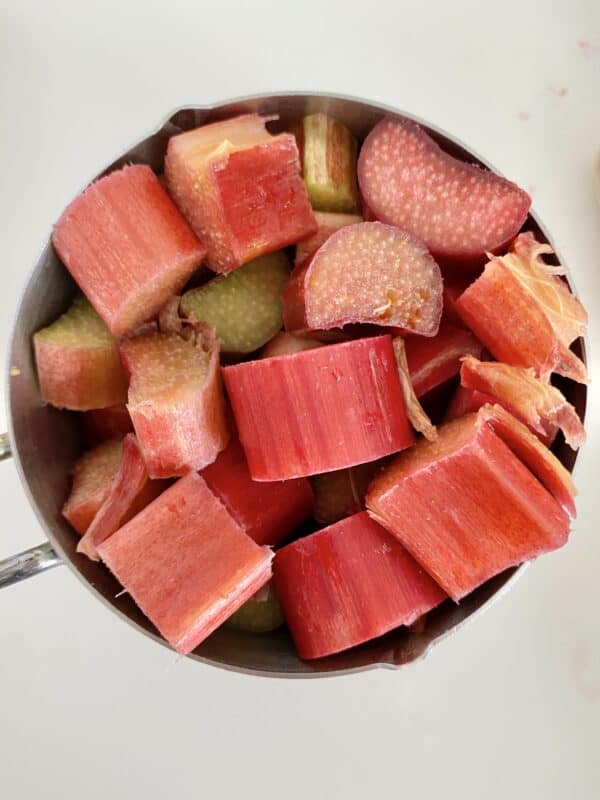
(187,564)
(541,406)
(328,154)
(319,410)
(176,400)
(283,344)
(101,424)
(524,313)
(432,362)
(347,584)
(267,512)
(328,224)
(340,493)
(93,476)
(466,506)
(260,614)
(245,307)
(367,272)
(416,414)
(78,361)
(458,209)
(127,246)
(131,491)
(240,189)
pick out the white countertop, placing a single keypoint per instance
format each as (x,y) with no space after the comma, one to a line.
(510,706)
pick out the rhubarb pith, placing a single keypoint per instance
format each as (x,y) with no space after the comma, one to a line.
(93,475)
(328,225)
(367,272)
(245,307)
(319,410)
(459,210)
(329,163)
(186,563)
(176,401)
(78,361)
(127,246)
(466,506)
(240,189)
(349,583)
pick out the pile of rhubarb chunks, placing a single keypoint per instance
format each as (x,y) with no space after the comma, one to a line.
(340,445)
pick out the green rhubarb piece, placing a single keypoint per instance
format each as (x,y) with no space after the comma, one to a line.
(245,306)
(260,614)
(329,164)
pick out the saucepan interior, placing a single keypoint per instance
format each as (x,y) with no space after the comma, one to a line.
(45,441)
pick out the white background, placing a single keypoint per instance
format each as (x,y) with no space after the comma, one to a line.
(511,706)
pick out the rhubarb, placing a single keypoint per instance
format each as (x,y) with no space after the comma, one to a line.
(416,414)
(340,493)
(101,424)
(260,614)
(328,225)
(284,343)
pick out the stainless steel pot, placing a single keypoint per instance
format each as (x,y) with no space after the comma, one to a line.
(44,441)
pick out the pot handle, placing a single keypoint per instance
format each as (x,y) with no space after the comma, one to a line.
(29,562)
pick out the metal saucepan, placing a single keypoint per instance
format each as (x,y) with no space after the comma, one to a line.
(44,441)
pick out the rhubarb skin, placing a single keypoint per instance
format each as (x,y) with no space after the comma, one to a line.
(175,401)
(127,246)
(240,189)
(347,584)
(366,273)
(288,409)
(186,562)
(524,313)
(77,361)
(415,411)
(465,506)
(93,475)
(101,424)
(433,361)
(328,224)
(458,209)
(267,512)
(328,153)
(131,490)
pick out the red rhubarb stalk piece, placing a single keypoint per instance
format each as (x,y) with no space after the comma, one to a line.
(465,506)
(176,400)
(541,406)
(240,189)
(127,246)
(186,562)
(458,209)
(101,424)
(432,362)
(452,291)
(416,414)
(368,273)
(347,584)
(131,490)
(465,401)
(267,512)
(328,224)
(286,343)
(340,493)
(319,410)
(93,475)
(524,313)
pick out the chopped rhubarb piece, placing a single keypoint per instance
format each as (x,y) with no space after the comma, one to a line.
(131,491)
(524,313)
(245,307)
(267,512)
(340,493)
(176,401)
(328,152)
(367,272)
(541,406)
(432,362)
(416,414)
(452,291)
(328,224)
(186,562)
(101,424)
(458,209)
(319,410)
(284,343)
(465,401)
(465,506)
(240,189)
(93,475)
(127,246)
(347,584)
(78,361)
(260,614)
